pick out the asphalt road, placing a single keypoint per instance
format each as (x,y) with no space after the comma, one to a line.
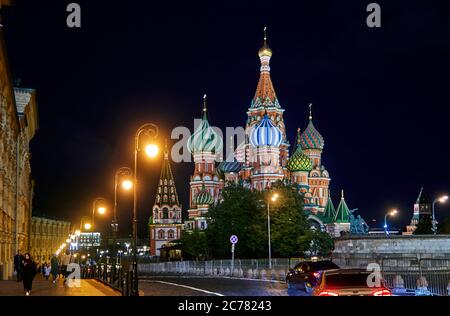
(207,286)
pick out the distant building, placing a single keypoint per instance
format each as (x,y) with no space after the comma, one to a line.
(166,221)
(47,235)
(89,240)
(422,212)
(18,124)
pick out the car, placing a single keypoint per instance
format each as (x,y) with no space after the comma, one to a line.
(349,282)
(305,275)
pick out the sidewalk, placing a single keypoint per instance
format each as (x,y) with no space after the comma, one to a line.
(42,287)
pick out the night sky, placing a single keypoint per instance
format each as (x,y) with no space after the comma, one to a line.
(381,96)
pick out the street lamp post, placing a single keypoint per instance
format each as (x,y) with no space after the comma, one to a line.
(150,130)
(390,213)
(273,198)
(121,172)
(441,199)
(101,209)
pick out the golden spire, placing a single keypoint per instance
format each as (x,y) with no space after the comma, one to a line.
(310,111)
(298,135)
(342,194)
(265,49)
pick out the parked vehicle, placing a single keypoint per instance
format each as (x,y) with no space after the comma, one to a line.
(305,275)
(349,282)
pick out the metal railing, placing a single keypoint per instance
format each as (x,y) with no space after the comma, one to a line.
(431,276)
(245,268)
(114,276)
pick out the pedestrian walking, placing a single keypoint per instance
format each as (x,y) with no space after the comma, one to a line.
(66,259)
(54,268)
(18,258)
(43,269)
(29,272)
(47,270)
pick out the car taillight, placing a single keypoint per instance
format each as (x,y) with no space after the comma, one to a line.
(382,293)
(316,274)
(328,293)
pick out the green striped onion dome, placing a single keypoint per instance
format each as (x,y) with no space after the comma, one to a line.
(205,139)
(299,161)
(203,198)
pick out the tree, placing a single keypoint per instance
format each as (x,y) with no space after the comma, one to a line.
(424,227)
(321,243)
(194,244)
(289,226)
(241,214)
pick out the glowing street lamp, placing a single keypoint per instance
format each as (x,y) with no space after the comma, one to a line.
(390,213)
(151,131)
(127,184)
(100,209)
(152,150)
(87,226)
(441,199)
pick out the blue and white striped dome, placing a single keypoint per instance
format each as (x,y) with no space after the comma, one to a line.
(266,134)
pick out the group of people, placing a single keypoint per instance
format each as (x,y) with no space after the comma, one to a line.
(26,269)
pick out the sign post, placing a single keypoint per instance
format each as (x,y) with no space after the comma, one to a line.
(233,240)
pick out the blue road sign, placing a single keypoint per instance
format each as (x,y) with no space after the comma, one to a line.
(233,239)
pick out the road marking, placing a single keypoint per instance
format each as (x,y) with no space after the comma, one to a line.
(186,286)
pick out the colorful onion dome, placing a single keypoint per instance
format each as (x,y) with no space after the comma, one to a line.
(299,161)
(203,197)
(229,167)
(311,138)
(204,139)
(266,134)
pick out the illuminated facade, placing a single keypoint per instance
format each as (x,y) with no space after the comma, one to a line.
(262,159)
(18,124)
(47,235)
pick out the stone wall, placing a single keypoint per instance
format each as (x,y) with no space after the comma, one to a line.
(358,251)
(18,123)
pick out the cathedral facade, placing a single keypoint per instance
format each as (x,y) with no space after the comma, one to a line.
(265,157)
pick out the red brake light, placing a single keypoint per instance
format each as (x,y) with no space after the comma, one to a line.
(382,293)
(328,293)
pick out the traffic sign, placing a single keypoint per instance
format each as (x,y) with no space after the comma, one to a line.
(233,239)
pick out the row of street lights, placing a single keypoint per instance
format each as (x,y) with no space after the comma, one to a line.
(129,181)
(441,199)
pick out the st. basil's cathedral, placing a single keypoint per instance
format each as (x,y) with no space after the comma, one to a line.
(261,160)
